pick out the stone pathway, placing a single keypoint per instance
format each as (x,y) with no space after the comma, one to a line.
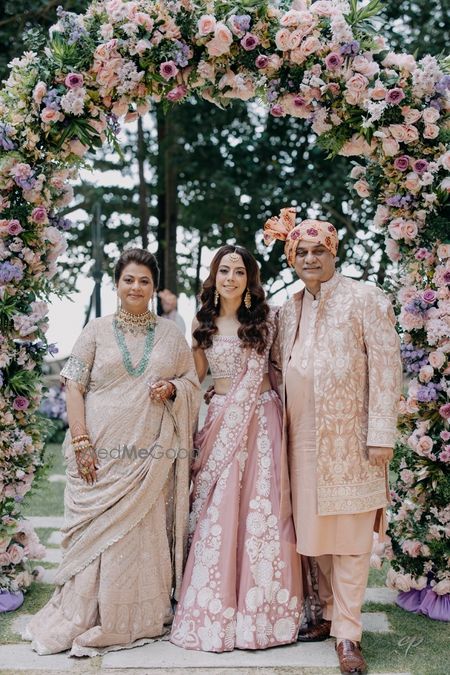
(163,658)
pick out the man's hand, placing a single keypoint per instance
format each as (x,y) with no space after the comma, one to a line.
(380,456)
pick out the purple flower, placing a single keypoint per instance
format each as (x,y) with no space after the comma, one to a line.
(249,42)
(168,70)
(52,349)
(333,61)
(350,48)
(9,272)
(14,227)
(401,163)
(6,131)
(443,84)
(394,96)
(241,22)
(262,61)
(21,403)
(52,99)
(182,54)
(420,165)
(444,411)
(277,110)
(429,296)
(74,81)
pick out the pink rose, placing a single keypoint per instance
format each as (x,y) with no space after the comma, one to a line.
(291,18)
(262,61)
(362,188)
(322,8)
(426,373)
(221,42)
(444,160)
(395,228)
(333,61)
(412,181)
(310,45)
(378,92)
(249,42)
(39,215)
(429,296)
(357,145)
(39,92)
(74,80)
(277,110)
(357,83)
(168,70)
(394,96)
(144,19)
(365,66)
(436,359)
(77,148)
(401,163)
(431,131)
(177,93)
(430,115)
(444,411)
(14,227)
(424,445)
(443,251)
(392,250)
(411,548)
(283,39)
(206,24)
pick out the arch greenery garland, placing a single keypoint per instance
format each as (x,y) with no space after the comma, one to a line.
(320,61)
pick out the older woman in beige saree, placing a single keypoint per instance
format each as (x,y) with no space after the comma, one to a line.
(127,492)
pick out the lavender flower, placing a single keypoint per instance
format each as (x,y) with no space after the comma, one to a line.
(242,22)
(52,99)
(443,84)
(350,48)
(52,349)
(413,359)
(1,379)
(9,272)
(181,54)
(6,130)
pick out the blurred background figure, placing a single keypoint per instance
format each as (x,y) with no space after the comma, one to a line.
(169,302)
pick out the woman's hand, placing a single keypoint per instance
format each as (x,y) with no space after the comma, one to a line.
(86,460)
(162,390)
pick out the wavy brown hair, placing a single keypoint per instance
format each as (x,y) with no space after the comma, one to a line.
(253,330)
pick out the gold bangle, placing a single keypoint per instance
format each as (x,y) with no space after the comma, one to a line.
(81,437)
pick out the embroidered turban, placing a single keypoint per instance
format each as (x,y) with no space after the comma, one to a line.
(283,227)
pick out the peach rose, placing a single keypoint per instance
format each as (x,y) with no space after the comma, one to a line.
(357,83)
(39,92)
(364,66)
(49,116)
(120,107)
(392,250)
(283,39)
(206,24)
(221,42)
(362,188)
(425,444)
(378,92)
(411,115)
(430,115)
(444,160)
(412,181)
(15,553)
(443,251)
(76,147)
(390,146)
(437,359)
(409,229)
(431,131)
(310,45)
(395,228)
(291,18)
(405,133)
(426,373)
(442,587)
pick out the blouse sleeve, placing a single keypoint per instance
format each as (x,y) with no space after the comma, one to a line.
(79,364)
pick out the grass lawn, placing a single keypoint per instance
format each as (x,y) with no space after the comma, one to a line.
(47,499)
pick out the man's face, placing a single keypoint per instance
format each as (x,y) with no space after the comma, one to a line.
(313,262)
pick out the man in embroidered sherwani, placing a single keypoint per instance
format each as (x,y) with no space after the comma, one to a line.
(339,355)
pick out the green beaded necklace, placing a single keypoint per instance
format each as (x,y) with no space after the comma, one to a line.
(126,357)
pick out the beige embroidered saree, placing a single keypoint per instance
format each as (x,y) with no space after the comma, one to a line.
(124,538)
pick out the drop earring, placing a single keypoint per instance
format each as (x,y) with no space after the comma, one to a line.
(216,298)
(248,299)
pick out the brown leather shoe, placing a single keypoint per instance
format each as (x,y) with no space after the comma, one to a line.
(350,658)
(317,633)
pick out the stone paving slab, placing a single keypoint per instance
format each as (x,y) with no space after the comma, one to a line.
(55,538)
(48,576)
(19,623)
(164,654)
(375,622)
(22,657)
(53,522)
(382,595)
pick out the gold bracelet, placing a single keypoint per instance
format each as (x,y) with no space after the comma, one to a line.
(81,437)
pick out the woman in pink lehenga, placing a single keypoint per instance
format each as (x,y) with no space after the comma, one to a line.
(242,585)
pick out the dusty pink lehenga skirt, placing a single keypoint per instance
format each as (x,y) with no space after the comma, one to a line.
(242,582)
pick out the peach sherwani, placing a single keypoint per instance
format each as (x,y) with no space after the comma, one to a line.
(340,361)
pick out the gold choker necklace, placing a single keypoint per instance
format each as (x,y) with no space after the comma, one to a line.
(135,323)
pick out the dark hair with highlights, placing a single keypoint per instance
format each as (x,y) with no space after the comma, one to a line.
(253,330)
(141,257)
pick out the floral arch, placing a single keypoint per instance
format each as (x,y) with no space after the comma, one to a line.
(321,61)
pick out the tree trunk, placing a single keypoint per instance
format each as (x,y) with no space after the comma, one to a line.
(167,199)
(143,195)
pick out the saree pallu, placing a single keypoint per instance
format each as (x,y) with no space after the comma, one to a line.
(124,538)
(242,583)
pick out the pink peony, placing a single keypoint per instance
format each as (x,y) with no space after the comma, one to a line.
(168,70)
(74,81)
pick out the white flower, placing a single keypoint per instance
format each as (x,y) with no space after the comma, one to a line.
(256,524)
(200,576)
(263,630)
(263,572)
(215,606)
(283,596)
(245,627)
(234,415)
(209,635)
(204,596)
(254,598)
